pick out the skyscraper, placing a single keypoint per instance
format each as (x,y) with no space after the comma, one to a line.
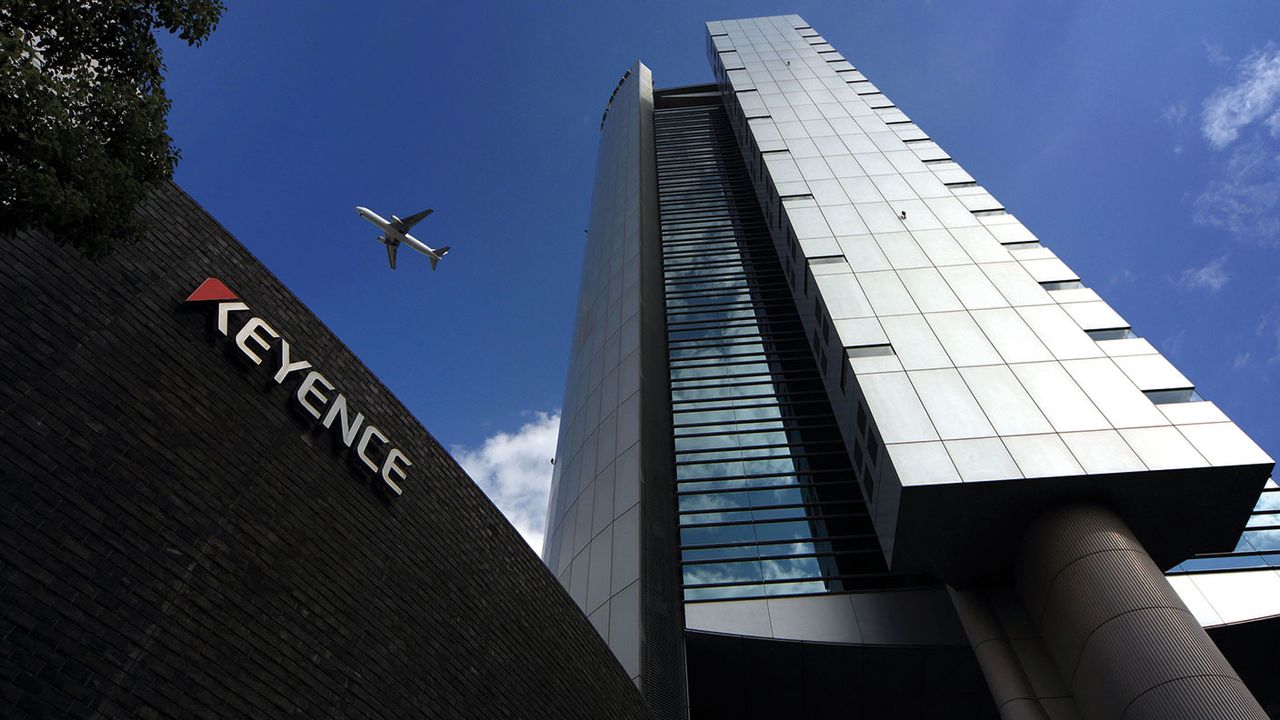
(841,433)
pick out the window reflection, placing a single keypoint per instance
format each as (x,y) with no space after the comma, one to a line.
(791,569)
(1258,546)
(768,503)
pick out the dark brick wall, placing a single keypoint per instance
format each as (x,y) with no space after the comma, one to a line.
(177,539)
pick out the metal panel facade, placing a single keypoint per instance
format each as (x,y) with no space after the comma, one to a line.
(978,358)
(593,524)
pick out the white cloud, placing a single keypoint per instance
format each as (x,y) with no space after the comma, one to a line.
(1269,331)
(1245,199)
(1215,54)
(514,470)
(1253,97)
(1123,276)
(1210,277)
(1175,113)
(1172,345)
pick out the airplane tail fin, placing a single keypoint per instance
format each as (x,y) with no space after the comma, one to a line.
(391,254)
(439,254)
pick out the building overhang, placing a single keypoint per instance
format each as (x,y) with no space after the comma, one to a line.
(969,531)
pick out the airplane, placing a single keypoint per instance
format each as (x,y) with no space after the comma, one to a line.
(396,231)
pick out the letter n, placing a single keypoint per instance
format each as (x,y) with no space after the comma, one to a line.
(339,410)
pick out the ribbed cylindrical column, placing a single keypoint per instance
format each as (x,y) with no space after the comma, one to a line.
(1121,637)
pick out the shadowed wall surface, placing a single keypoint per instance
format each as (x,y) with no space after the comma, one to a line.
(179,538)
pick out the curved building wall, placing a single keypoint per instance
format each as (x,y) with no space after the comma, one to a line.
(180,538)
(595,492)
(611,534)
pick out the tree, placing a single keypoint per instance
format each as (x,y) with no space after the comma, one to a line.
(82,113)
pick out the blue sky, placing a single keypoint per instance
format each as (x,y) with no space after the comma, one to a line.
(1141,142)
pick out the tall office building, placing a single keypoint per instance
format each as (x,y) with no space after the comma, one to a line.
(842,435)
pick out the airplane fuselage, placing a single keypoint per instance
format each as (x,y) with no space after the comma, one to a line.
(390,232)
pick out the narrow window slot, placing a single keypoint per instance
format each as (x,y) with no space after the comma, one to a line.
(869,351)
(1062,285)
(1163,397)
(1111,334)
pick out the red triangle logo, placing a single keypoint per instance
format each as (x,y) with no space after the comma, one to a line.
(211,289)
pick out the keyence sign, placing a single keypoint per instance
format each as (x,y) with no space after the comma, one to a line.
(315,391)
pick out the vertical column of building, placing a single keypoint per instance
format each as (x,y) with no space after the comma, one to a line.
(611,535)
(1122,640)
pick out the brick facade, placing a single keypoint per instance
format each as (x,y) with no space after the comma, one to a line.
(179,539)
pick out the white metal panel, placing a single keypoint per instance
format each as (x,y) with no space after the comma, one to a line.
(1059,398)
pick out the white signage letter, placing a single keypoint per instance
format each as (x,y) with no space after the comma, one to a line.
(389,466)
(339,410)
(250,332)
(225,309)
(308,387)
(287,367)
(369,431)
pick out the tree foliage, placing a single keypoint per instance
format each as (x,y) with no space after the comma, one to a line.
(82,113)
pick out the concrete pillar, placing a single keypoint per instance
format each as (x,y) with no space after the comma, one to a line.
(1122,639)
(1010,689)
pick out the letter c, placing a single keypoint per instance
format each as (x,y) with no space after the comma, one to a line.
(369,431)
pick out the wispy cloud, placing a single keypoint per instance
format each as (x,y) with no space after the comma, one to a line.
(1269,331)
(514,470)
(1243,117)
(1253,97)
(1175,113)
(1123,276)
(1245,199)
(1216,54)
(1211,276)
(1172,345)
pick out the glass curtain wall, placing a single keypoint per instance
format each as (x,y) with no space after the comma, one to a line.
(767,499)
(1259,544)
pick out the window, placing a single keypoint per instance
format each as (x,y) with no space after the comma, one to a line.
(1111,334)
(1161,397)
(826,260)
(1062,284)
(868,351)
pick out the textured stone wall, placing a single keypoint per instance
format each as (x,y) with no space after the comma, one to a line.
(178,538)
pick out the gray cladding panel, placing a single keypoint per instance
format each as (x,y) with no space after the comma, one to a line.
(595,495)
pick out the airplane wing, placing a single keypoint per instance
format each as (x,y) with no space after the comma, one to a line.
(404,224)
(391,254)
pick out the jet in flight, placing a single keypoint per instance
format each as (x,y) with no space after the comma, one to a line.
(396,231)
